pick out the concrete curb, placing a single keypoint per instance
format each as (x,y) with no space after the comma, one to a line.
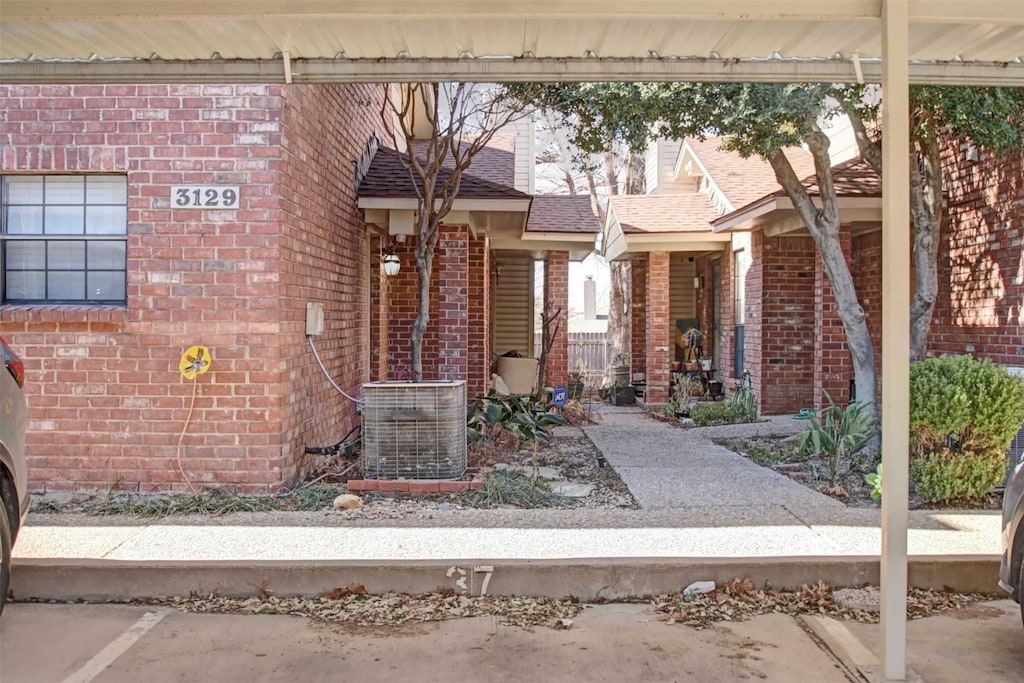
(587,579)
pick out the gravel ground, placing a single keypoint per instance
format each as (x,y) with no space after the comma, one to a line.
(570,452)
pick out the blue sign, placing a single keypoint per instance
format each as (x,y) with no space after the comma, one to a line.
(559,396)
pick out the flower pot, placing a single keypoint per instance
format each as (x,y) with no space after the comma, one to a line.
(623,396)
(705,365)
(676,365)
(575,390)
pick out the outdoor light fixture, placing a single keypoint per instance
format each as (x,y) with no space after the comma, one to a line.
(389,262)
(698,282)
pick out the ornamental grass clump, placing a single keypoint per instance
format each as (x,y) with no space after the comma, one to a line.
(963,416)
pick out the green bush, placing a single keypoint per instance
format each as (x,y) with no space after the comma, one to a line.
(526,417)
(744,405)
(948,477)
(963,404)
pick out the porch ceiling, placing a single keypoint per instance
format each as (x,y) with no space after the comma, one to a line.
(952,41)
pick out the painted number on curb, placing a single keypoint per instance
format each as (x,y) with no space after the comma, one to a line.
(460,576)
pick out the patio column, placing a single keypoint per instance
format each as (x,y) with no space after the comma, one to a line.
(451,267)
(556,291)
(659,336)
(379,296)
(638,315)
(479,321)
(895,336)
(832,364)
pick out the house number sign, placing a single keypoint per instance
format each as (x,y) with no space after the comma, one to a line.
(204,196)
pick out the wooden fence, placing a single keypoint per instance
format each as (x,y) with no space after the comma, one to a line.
(588,350)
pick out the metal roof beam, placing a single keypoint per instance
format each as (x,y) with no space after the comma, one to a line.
(496,70)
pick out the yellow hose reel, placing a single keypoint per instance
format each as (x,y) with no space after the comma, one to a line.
(195,361)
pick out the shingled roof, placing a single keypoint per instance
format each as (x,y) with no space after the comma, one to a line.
(563,213)
(388,178)
(656,213)
(744,180)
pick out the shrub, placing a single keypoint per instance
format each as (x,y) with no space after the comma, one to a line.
(744,405)
(710,413)
(962,404)
(525,417)
(948,477)
(838,434)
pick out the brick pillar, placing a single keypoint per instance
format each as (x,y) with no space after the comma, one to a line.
(659,330)
(379,328)
(451,265)
(479,322)
(785,377)
(637,314)
(752,331)
(832,365)
(556,291)
(727,305)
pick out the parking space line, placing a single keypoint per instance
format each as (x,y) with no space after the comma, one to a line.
(105,657)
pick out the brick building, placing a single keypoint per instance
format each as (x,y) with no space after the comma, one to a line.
(140,220)
(761,297)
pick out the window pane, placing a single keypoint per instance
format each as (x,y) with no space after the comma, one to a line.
(107,255)
(106,286)
(65,189)
(65,285)
(106,190)
(65,220)
(25,255)
(65,255)
(24,220)
(106,220)
(29,285)
(24,190)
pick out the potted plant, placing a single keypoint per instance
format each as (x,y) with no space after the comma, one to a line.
(705,364)
(620,368)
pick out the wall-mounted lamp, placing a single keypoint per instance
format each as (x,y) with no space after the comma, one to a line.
(389,262)
(496,269)
(698,282)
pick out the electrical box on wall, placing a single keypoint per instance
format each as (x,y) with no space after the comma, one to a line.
(314,318)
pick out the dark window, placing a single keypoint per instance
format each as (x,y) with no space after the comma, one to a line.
(63,239)
(741,264)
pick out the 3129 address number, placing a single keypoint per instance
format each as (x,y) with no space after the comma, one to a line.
(204,196)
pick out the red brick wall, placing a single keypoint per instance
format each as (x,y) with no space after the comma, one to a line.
(784,378)
(451,263)
(107,403)
(324,258)
(556,291)
(479,330)
(832,364)
(866,267)
(658,328)
(728,305)
(399,313)
(638,314)
(752,356)
(980,307)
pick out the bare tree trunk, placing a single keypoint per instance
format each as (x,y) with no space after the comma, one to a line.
(926,208)
(618,335)
(427,240)
(823,224)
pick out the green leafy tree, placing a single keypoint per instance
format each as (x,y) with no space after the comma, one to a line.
(757,120)
(763,119)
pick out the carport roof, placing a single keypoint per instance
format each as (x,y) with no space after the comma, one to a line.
(981,41)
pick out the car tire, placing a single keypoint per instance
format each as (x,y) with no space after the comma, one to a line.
(5,555)
(1020,587)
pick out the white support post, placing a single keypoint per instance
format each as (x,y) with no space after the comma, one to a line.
(895,336)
